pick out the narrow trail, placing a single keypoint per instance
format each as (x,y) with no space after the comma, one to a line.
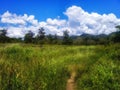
(71,85)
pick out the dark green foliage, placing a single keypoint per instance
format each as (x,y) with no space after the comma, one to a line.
(40,38)
(67,40)
(115,37)
(3,37)
(41,34)
(29,37)
(78,41)
(50,39)
(16,40)
(55,39)
(118,27)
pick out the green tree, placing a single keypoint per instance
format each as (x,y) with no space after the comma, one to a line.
(67,40)
(118,27)
(3,37)
(50,39)
(56,40)
(29,37)
(41,36)
(78,41)
(115,37)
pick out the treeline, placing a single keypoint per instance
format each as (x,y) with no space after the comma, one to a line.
(41,38)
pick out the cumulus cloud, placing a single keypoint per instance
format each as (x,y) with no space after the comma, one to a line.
(55,26)
(78,22)
(10,18)
(18,25)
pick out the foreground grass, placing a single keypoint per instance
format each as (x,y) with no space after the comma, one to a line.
(29,67)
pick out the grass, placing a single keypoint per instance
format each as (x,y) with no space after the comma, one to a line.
(29,67)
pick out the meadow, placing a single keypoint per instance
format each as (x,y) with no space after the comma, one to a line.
(31,67)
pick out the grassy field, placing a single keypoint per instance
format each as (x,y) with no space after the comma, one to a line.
(30,67)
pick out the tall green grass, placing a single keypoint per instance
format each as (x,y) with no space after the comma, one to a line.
(30,67)
(105,73)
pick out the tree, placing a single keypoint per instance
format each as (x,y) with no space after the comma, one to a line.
(67,40)
(118,27)
(41,36)
(50,39)
(55,39)
(115,37)
(78,41)
(3,37)
(29,37)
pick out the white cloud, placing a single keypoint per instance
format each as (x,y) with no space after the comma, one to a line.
(55,26)
(19,25)
(15,32)
(79,21)
(56,22)
(12,18)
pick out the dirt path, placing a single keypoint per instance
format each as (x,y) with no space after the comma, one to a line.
(71,82)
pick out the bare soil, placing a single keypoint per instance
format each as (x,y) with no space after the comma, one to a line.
(71,85)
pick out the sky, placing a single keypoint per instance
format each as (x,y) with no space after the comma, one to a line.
(76,16)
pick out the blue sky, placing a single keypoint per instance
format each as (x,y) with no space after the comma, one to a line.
(77,16)
(43,9)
